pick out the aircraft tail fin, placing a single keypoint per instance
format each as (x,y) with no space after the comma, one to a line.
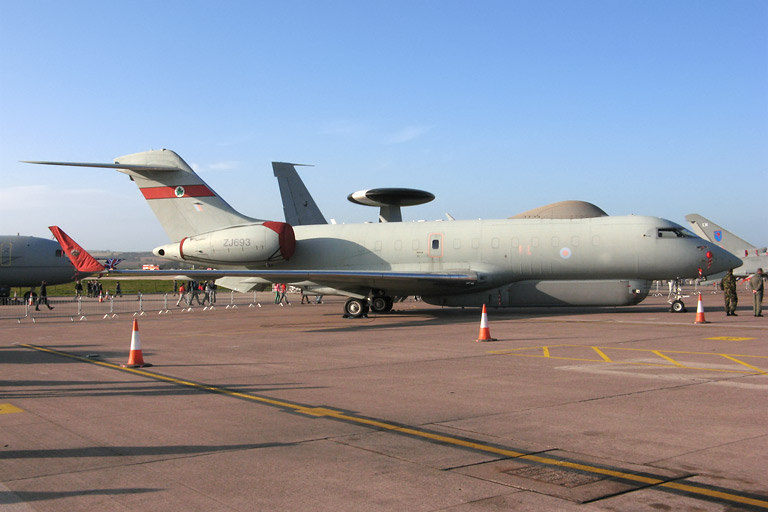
(299,206)
(718,235)
(84,263)
(183,203)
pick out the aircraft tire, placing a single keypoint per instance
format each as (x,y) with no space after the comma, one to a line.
(355,308)
(678,306)
(381,304)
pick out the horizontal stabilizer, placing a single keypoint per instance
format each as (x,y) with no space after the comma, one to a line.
(129,167)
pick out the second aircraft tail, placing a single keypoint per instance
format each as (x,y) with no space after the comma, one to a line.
(718,235)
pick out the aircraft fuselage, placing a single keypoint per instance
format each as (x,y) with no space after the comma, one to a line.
(26,261)
(509,256)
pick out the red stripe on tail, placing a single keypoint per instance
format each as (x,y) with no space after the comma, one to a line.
(176,192)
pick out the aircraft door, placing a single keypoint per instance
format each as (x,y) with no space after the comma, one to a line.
(5,254)
(435,247)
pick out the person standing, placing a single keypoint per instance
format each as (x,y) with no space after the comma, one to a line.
(757,285)
(728,285)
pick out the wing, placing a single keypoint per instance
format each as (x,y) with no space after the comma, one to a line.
(352,281)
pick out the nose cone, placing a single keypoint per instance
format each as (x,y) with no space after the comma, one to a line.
(722,260)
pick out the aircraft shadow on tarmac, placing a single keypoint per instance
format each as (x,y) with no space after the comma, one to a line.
(449,316)
(9,498)
(133,451)
(62,389)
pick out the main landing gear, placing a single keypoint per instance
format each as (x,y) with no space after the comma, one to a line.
(358,308)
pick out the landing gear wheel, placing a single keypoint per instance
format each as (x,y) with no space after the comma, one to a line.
(356,308)
(381,304)
(678,307)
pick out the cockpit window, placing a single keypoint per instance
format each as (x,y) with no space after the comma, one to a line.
(678,232)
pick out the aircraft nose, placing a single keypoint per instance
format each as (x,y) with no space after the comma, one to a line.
(723,260)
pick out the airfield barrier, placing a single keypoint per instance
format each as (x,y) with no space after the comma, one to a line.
(77,309)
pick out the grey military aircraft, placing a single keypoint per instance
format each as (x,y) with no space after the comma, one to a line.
(27,261)
(751,256)
(595,260)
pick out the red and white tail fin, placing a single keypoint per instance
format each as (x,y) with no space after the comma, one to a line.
(183,203)
(83,262)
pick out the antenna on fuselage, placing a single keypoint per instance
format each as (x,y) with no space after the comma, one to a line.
(390,200)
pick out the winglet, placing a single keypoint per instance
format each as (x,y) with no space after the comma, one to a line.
(79,257)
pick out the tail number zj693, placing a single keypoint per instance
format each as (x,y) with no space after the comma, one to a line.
(237,242)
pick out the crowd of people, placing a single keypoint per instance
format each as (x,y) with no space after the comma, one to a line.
(191,291)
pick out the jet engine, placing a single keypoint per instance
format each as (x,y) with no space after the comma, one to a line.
(236,245)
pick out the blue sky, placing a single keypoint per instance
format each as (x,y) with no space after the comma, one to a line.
(641,107)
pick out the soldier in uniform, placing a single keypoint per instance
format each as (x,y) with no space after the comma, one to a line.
(728,285)
(756,282)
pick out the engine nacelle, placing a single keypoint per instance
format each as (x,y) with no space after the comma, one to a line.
(238,245)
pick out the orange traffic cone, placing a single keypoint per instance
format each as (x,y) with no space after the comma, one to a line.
(135,359)
(700,313)
(485,332)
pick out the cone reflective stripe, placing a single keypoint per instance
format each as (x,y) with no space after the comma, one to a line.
(135,358)
(485,331)
(700,313)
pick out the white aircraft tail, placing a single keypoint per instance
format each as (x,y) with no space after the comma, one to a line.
(183,203)
(718,235)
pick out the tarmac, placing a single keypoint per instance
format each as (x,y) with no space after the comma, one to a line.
(295,408)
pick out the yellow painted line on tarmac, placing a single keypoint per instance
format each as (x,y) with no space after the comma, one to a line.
(9,409)
(729,338)
(692,490)
(602,355)
(742,362)
(665,355)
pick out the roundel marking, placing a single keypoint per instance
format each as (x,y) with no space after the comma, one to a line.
(179,191)
(565,253)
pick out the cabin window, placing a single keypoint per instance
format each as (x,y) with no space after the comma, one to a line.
(435,244)
(674,233)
